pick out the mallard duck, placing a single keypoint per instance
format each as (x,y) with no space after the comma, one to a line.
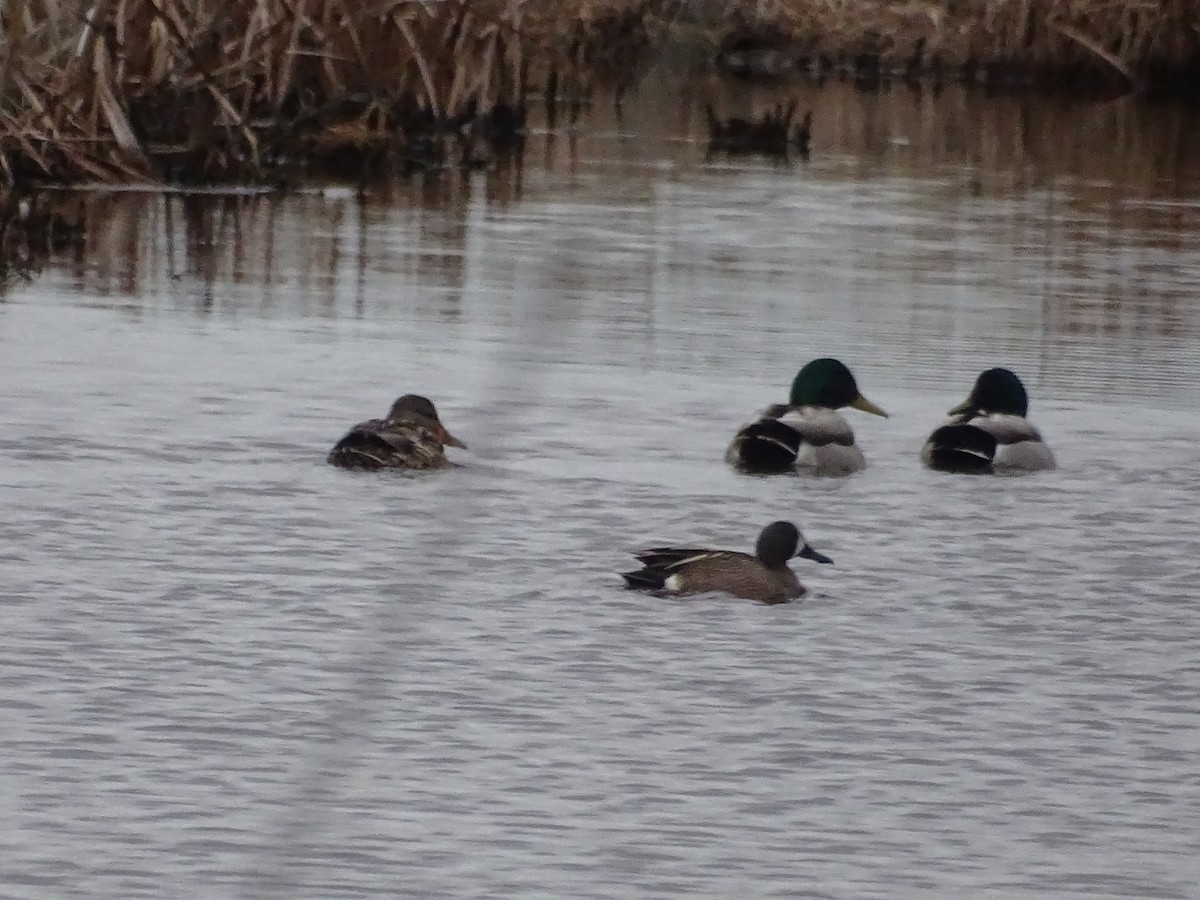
(410,437)
(807,432)
(765,576)
(988,432)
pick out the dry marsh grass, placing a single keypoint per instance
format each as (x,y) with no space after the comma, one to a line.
(1139,42)
(192,90)
(145,89)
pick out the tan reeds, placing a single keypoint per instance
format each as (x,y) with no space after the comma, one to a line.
(232,88)
(155,89)
(1010,39)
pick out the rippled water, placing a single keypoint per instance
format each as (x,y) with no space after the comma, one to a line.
(231,670)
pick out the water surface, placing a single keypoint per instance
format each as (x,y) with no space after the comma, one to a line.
(231,670)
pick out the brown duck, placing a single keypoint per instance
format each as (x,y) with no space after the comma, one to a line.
(411,436)
(763,575)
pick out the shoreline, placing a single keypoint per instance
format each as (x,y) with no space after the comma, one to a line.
(1052,46)
(197,92)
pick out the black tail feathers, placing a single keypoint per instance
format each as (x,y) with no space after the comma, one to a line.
(646,579)
(361,450)
(768,447)
(963,449)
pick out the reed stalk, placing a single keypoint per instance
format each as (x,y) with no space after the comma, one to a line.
(1143,43)
(246,89)
(152,89)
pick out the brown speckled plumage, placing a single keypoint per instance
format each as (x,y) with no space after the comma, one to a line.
(410,437)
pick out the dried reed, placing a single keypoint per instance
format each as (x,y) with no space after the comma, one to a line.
(146,89)
(1143,44)
(218,89)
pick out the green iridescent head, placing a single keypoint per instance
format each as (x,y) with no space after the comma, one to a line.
(995,391)
(828,383)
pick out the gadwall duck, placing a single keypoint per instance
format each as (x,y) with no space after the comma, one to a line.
(411,436)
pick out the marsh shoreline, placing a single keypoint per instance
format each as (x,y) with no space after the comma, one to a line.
(261,91)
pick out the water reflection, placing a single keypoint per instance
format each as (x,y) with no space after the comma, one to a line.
(923,222)
(998,146)
(259,664)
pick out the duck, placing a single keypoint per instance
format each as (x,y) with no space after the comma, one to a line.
(988,433)
(806,433)
(763,576)
(411,436)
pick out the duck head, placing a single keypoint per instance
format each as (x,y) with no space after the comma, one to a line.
(828,383)
(780,541)
(995,391)
(418,409)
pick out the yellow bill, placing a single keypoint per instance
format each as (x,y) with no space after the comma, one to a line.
(861,402)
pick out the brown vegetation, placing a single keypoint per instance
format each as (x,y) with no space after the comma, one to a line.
(201,89)
(194,90)
(1076,43)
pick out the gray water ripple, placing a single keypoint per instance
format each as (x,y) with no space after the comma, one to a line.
(232,670)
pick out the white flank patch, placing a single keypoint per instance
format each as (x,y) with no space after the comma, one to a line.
(777,442)
(673,584)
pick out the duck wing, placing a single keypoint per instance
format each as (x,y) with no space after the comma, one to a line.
(960,447)
(660,563)
(381,444)
(677,571)
(772,443)
(1005,428)
(1021,448)
(985,444)
(671,558)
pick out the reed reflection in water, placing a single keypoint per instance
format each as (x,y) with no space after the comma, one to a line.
(231,669)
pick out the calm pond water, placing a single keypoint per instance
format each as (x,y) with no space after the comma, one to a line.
(231,670)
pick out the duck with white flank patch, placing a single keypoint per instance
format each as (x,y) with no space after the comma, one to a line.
(763,576)
(989,432)
(807,433)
